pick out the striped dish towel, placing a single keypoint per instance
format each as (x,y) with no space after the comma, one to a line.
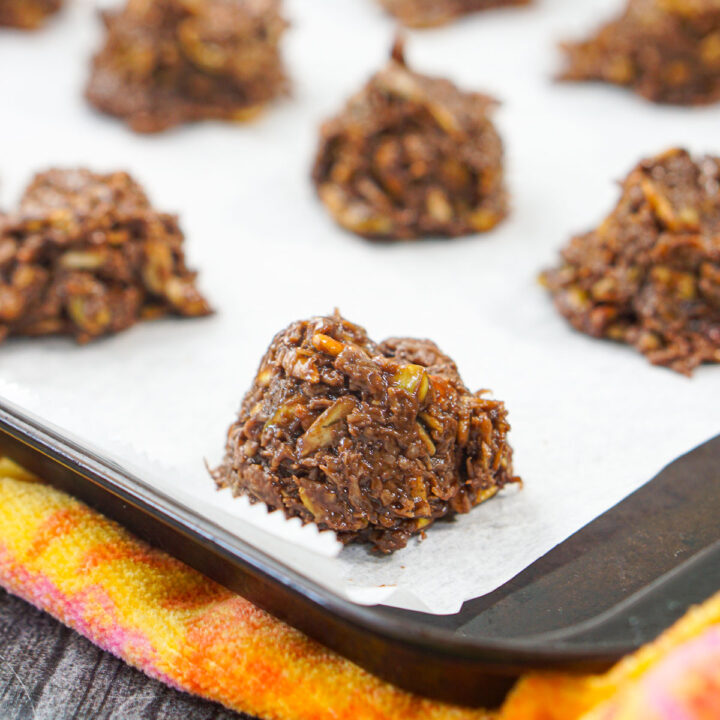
(179,627)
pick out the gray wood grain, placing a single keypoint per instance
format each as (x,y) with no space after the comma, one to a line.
(49,672)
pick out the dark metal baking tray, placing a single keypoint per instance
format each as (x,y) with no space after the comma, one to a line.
(611,587)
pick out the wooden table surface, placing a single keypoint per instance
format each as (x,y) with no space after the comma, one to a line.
(49,672)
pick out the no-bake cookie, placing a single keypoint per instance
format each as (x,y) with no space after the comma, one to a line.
(373,441)
(86,255)
(27,14)
(412,156)
(427,13)
(649,275)
(167,62)
(666,50)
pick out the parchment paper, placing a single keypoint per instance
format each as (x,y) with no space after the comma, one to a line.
(592,421)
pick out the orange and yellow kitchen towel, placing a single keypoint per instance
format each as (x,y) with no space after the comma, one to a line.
(176,625)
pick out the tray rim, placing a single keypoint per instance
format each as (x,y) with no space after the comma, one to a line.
(108,474)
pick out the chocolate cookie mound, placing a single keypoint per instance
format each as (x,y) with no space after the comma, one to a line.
(27,14)
(428,13)
(668,51)
(412,156)
(373,441)
(649,275)
(86,255)
(167,62)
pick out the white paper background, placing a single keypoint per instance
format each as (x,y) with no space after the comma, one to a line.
(592,421)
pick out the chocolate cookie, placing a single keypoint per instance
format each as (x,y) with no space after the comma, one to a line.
(427,13)
(373,441)
(412,156)
(167,62)
(649,275)
(27,14)
(87,255)
(665,50)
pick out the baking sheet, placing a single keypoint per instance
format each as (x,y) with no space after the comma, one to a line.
(592,421)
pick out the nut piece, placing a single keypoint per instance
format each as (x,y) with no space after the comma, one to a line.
(174,61)
(365,440)
(668,51)
(649,275)
(428,13)
(327,344)
(413,379)
(87,255)
(412,156)
(322,432)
